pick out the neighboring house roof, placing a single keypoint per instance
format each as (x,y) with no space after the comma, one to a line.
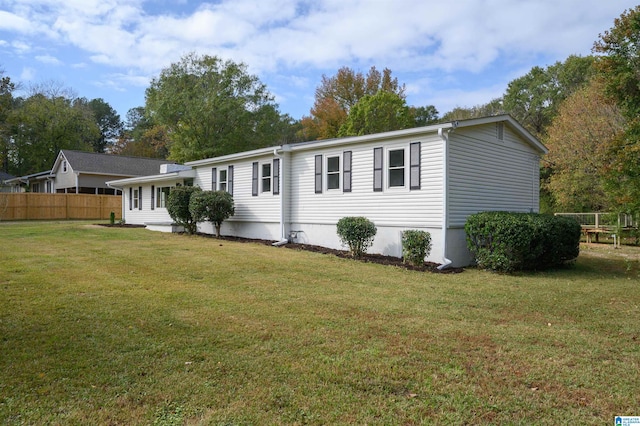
(5,176)
(117,165)
(27,178)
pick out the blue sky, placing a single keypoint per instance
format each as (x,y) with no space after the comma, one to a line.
(456,53)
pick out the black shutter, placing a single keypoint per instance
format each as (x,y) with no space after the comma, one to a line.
(377,169)
(214,179)
(139,198)
(276,176)
(230,180)
(318,174)
(130,198)
(346,173)
(414,165)
(153,194)
(254,180)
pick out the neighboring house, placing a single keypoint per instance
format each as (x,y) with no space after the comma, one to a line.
(36,182)
(4,186)
(429,178)
(87,173)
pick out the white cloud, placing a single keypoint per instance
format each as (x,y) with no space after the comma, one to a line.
(28,74)
(48,59)
(431,42)
(12,22)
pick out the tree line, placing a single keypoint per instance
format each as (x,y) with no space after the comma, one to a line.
(585,109)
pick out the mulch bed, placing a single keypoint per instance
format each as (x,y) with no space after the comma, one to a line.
(367,257)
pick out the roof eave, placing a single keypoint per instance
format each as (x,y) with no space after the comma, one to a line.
(152,178)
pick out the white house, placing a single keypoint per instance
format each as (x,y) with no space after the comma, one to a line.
(429,178)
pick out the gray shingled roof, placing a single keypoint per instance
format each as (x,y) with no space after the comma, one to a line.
(91,162)
(5,176)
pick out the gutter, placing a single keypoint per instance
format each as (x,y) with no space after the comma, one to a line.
(283,238)
(122,213)
(444,135)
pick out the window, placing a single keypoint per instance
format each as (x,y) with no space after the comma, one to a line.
(396,168)
(64,166)
(333,172)
(338,171)
(136,199)
(223,180)
(161,196)
(266,177)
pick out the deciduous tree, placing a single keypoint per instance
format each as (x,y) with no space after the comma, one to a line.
(619,66)
(534,98)
(579,141)
(212,107)
(41,126)
(381,112)
(336,95)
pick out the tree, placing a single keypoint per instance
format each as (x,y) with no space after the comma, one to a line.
(40,126)
(377,113)
(212,107)
(178,207)
(619,66)
(534,98)
(108,121)
(579,141)
(424,116)
(212,206)
(7,88)
(494,107)
(335,96)
(620,61)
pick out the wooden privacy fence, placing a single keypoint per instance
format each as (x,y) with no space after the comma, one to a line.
(39,206)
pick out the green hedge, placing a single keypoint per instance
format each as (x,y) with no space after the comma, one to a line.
(507,242)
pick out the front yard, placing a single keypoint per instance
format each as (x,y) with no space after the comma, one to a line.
(127,326)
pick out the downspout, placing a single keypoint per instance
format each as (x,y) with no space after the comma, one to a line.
(445,195)
(121,204)
(283,238)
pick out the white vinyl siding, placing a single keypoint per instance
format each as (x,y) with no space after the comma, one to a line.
(486,173)
(262,208)
(399,208)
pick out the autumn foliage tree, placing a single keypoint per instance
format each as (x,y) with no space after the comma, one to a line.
(336,95)
(587,125)
(619,66)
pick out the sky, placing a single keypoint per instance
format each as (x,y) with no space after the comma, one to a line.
(456,53)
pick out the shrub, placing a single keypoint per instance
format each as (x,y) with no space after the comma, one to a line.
(416,245)
(507,242)
(178,207)
(214,206)
(357,233)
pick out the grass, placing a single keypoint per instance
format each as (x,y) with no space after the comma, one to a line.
(126,326)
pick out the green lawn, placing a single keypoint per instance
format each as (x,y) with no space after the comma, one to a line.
(127,326)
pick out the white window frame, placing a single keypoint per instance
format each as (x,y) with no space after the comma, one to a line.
(329,173)
(404,167)
(135,199)
(162,193)
(266,178)
(222,183)
(65,166)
